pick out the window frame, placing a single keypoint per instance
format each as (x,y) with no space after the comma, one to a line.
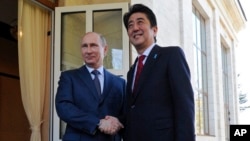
(201,85)
(225,79)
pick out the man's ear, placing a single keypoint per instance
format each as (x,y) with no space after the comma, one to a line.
(155,29)
(105,50)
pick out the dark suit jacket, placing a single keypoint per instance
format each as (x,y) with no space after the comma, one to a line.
(78,104)
(162,108)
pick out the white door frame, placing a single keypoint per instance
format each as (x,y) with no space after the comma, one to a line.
(55,121)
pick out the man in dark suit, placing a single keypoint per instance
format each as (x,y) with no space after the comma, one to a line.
(90,99)
(161,101)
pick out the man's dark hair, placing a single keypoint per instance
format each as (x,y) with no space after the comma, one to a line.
(141,9)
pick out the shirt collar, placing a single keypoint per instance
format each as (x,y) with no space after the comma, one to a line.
(100,69)
(148,50)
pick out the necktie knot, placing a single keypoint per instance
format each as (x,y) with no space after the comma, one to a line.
(95,72)
(141,58)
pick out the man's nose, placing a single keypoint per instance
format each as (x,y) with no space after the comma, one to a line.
(89,49)
(135,27)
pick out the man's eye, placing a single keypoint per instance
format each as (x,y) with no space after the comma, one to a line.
(140,22)
(95,46)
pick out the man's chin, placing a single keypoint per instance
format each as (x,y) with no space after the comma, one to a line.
(90,64)
(137,44)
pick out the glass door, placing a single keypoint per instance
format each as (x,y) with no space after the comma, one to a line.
(71,23)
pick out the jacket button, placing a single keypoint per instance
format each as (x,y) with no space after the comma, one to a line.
(133,106)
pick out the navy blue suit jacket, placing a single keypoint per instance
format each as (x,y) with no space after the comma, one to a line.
(78,104)
(162,108)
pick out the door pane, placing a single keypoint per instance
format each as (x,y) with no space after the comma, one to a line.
(73,26)
(109,24)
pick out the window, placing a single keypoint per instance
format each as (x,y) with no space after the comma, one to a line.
(225,78)
(200,71)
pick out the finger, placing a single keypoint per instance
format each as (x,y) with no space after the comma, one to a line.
(108,117)
(121,125)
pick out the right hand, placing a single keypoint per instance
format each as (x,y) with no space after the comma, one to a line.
(110,125)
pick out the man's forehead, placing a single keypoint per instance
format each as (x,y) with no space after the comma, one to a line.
(90,38)
(137,16)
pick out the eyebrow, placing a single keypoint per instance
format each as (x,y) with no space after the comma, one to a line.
(138,19)
(90,44)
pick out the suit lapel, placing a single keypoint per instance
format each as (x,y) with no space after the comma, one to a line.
(108,80)
(85,76)
(147,69)
(130,76)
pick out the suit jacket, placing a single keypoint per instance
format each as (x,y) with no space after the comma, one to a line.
(162,108)
(78,104)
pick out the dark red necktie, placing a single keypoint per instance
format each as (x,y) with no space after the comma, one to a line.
(138,72)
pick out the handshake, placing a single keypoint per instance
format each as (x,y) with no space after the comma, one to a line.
(110,125)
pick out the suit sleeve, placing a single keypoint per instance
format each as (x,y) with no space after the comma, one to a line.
(69,112)
(183,96)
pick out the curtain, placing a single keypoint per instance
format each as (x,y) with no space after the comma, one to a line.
(33,52)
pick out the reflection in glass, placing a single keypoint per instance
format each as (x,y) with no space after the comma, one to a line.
(73,28)
(109,24)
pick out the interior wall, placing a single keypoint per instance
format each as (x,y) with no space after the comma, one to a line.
(14,124)
(8,57)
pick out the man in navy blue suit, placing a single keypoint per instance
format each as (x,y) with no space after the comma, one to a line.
(160,99)
(90,99)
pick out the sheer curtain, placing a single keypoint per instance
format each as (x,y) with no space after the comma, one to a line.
(33,52)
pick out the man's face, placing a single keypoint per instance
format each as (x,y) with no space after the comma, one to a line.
(93,51)
(140,32)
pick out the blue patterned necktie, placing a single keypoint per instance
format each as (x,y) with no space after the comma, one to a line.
(97,81)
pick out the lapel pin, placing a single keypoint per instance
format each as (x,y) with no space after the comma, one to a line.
(155,56)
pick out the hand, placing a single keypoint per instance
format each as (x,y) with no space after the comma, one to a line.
(110,125)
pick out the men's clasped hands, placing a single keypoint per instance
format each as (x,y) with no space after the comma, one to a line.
(110,125)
